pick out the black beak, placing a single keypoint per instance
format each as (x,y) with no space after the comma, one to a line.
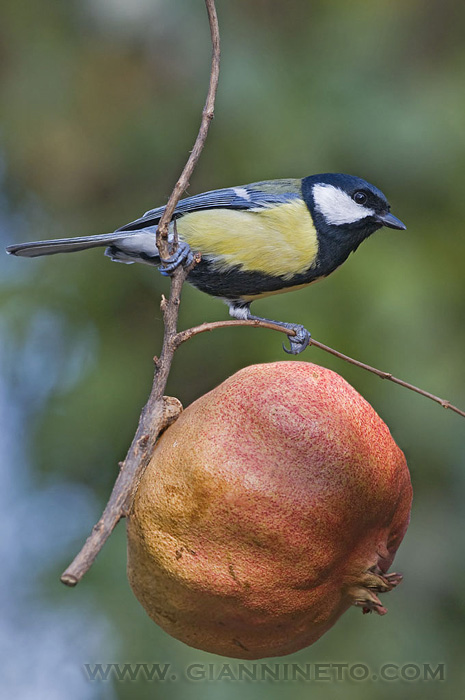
(391,221)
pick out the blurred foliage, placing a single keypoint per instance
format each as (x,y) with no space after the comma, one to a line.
(101,103)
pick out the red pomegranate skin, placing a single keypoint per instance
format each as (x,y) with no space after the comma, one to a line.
(274,503)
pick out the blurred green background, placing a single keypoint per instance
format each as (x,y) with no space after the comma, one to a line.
(101,101)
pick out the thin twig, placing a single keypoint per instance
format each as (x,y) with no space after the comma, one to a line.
(207,116)
(159,411)
(387,375)
(182,336)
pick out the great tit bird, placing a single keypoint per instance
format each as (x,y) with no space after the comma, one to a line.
(255,240)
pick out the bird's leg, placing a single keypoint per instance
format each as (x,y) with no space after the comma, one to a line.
(182,256)
(297,342)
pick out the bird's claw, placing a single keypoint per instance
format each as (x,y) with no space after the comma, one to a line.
(299,341)
(183,256)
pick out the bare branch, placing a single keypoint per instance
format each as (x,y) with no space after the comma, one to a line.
(159,411)
(204,327)
(387,375)
(207,116)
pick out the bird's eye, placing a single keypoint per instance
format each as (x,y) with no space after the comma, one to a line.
(360,198)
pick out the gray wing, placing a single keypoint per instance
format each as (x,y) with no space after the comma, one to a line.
(128,248)
(258,195)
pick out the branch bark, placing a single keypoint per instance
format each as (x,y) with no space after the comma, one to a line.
(182,336)
(159,411)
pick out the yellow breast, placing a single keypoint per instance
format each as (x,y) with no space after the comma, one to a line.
(279,241)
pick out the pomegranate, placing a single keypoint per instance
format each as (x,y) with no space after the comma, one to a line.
(274,503)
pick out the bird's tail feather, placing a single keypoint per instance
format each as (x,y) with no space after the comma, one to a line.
(63,245)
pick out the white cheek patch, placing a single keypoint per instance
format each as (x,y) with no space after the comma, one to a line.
(337,206)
